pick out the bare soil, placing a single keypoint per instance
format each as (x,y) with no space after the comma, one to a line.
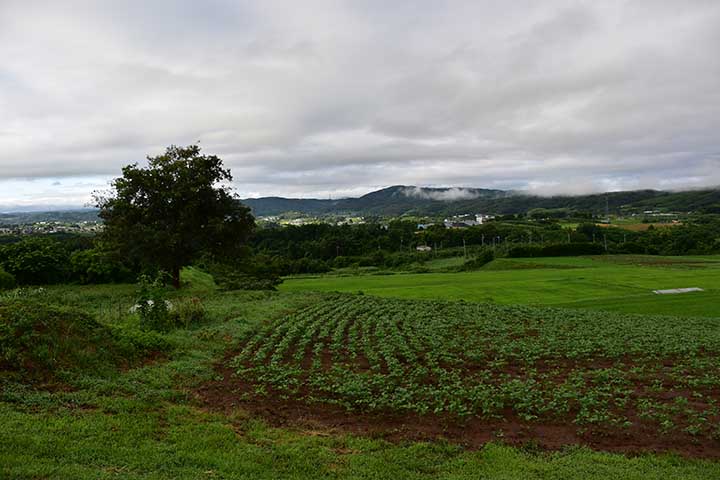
(232,393)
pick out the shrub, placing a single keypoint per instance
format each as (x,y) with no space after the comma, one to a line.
(571,249)
(483,259)
(7,280)
(524,251)
(158,314)
(306,265)
(93,266)
(36,261)
(242,281)
(151,305)
(556,250)
(134,342)
(186,312)
(245,277)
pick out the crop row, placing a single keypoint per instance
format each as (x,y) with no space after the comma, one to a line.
(486,360)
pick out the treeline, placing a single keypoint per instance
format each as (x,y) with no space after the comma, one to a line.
(68,259)
(274,252)
(320,248)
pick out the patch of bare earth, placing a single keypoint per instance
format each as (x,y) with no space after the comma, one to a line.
(232,393)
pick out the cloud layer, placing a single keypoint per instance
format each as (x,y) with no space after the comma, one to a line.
(329,97)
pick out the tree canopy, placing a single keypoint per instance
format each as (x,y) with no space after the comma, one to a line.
(177,208)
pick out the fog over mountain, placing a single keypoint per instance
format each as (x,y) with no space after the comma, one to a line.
(329,99)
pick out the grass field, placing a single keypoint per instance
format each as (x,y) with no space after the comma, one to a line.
(151,419)
(621,283)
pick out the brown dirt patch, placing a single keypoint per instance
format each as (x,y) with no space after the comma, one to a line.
(232,393)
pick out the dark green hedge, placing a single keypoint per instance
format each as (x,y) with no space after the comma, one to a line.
(556,250)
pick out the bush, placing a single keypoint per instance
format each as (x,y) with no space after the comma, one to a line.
(151,306)
(136,343)
(158,314)
(186,312)
(630,247)
(556,250)
(257,273)
(227,279)
(306,265)
(241,281)
(481,260)
(7,280)
(93,266)
(36,261)
(572,249)
(524,251)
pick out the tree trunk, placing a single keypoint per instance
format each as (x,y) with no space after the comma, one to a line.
(176,277)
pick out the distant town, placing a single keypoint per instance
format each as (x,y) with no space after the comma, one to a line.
(40,228)
(49,223)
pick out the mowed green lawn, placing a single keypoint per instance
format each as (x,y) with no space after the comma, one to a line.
(617,282)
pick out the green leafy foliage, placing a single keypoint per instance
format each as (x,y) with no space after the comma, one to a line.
(479,261)
(251,272)
(36,261)
(158,313)
(151,306)
(135,342)
(186,312)
(593,369)
(47,261)
(556,250)
(95,266)
(7,280)
(168,214)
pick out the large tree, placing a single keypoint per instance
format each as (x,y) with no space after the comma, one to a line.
(175,209)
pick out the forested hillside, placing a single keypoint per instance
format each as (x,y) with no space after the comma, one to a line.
(399,200)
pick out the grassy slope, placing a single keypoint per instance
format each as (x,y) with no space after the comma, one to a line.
(144,423)
(618,283)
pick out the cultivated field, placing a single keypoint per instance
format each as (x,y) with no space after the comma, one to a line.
(480,372)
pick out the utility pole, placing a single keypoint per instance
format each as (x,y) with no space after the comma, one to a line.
(607,208)
(464,249)
(568,236)
(605,241)
(482,239)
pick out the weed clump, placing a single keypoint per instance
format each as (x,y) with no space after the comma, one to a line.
(159,314)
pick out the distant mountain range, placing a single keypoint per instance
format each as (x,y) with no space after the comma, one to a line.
(409,200)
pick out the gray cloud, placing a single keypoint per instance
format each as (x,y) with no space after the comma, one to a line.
(451,194)
(334,98)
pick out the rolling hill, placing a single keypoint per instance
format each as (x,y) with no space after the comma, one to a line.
(408,200)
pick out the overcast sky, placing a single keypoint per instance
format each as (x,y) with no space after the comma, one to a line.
(332,98)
